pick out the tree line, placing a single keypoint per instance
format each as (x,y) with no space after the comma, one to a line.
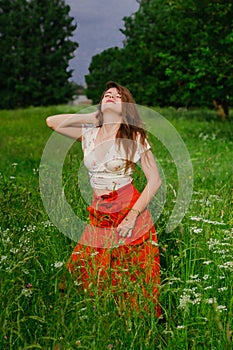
(175,53)
(36,46)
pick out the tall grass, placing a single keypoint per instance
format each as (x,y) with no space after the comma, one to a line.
(196,258)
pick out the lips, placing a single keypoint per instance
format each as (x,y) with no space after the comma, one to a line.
(110,101)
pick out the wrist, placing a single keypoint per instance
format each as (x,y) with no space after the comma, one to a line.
(136,212)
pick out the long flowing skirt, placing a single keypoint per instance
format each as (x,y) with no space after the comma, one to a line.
(103,259)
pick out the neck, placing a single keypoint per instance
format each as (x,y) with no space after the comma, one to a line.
(110,128)
(111,119)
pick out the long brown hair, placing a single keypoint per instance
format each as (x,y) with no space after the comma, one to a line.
(131,126)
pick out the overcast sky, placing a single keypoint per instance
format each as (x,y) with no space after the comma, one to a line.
(98,23)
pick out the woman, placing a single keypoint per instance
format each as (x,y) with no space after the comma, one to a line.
(119,246)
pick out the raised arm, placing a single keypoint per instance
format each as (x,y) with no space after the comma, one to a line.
(70,124)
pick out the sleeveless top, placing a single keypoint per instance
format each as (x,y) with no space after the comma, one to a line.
(109,172)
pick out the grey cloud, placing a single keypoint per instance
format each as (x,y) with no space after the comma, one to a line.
(99,24)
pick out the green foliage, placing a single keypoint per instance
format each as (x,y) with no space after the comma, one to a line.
(108,65)
(35,52)
(176,53)
(196,258)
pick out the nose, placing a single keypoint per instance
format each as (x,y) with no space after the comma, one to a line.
(112,95)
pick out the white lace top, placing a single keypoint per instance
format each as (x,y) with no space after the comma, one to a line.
(108,173)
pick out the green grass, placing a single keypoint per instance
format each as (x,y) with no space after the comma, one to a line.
(196,257)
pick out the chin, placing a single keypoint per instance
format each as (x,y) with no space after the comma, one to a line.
(112,107)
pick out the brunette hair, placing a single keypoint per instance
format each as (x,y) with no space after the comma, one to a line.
(131,127)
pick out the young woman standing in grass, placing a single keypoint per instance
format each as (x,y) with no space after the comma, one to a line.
(118,250)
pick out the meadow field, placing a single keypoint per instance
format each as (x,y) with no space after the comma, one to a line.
(196,257)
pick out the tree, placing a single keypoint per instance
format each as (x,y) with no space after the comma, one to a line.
(186,49)
(36,48)
(108,65)
(178,53)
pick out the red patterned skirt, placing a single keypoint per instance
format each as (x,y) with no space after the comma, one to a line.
(103,259)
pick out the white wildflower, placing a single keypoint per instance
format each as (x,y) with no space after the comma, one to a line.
(197,230)
(85,317)
(211,301)
(194,279)
(190,290)
(227,265)
(7,240)
(221,308)
(194,276)
(185,299)
(207,262)
(83,309)
(196,218)
(196,301)
(222,289)
(3,257)
(58,264)
(14,250)
(214,196)
(26,292)
(47,223)
(221,252)
(214,222)
(154,243)
(76,283)
(209,287)
(205,277)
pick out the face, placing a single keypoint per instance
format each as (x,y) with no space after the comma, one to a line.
(111,101)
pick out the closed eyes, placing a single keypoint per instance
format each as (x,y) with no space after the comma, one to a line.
(108,94)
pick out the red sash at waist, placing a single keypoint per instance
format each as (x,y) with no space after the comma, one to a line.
(106,213)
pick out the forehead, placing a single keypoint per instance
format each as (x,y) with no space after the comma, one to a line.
(112,90)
